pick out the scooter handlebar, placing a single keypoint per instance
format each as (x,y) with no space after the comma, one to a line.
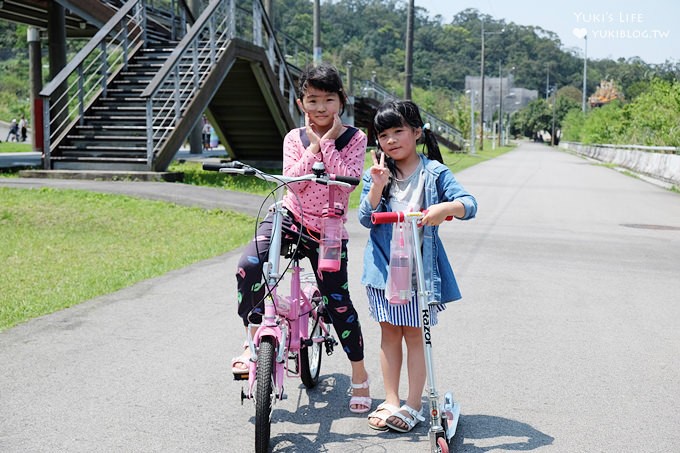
(398,216)
(387,217)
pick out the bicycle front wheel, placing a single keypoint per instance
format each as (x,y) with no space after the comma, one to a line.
(264,393)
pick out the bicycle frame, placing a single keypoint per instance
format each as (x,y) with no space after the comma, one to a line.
(290,324)
(284,330)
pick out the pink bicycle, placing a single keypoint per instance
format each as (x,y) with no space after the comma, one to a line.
(444,418)
(288,342)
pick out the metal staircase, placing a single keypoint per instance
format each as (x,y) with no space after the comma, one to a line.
(131,96)
(112,133)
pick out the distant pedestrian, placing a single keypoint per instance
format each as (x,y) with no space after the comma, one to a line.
(206,133)
(23,128)
(13,131)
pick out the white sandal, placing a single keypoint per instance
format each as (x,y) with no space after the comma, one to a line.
(415,418)
(391,409)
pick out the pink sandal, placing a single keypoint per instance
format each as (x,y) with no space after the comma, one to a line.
(241,371)
(363,403)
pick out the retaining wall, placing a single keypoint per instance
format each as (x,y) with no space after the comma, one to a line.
(663,165)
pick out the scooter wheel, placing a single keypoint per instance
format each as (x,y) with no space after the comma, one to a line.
(443,445)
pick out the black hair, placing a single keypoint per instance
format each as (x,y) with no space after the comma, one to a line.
(323,77)
(403,114)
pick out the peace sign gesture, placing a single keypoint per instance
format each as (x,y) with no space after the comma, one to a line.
(379,172)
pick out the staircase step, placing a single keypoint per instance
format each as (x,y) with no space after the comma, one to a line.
(116,138)
(109,127)
(118,118)
(98,149)
(111,158)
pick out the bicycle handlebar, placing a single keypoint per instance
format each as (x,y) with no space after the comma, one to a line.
(351,180)
(320,177)
(378,218)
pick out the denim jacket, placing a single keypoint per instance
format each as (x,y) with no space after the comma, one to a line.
(440,186)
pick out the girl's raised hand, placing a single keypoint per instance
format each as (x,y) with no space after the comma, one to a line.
(379,172)
(335,130)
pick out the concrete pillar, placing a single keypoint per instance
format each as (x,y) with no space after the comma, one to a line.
(195,141)
(56,37)
(35,76)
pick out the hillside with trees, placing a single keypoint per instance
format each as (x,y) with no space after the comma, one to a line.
(371,35)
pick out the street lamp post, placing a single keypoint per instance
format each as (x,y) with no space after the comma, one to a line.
(585,65)
(500,102)
(316,57)
(472,121)
(481,105)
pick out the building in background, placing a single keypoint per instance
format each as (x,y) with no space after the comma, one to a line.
(497,89)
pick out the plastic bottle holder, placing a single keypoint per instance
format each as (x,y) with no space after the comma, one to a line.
(400,279)
(330,247)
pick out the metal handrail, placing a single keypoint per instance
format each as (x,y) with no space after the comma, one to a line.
(439,126)
(68,95)
(188,67)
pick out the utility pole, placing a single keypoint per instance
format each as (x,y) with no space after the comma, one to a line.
(481,95)
(409,51)
(317,34)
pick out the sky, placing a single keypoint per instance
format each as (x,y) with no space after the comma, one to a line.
(643,28)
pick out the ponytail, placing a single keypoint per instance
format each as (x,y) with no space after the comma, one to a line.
(430,141)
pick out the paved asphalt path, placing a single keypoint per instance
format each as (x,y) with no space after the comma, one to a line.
(566,340)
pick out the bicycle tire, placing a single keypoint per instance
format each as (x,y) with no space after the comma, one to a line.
(264,394)
(310,356)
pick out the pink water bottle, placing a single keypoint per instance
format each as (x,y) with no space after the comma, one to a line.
(330,247)
(400,274)
(400,279)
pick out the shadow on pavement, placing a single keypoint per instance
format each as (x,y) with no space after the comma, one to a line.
(490,433)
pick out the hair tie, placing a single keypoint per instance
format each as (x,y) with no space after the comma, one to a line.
(427,126)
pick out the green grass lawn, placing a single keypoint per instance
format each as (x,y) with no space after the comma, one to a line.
(62,247)
(14,147)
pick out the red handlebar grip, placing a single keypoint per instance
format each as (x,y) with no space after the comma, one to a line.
(394,217)
(387,217)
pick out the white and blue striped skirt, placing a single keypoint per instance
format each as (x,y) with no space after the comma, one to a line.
(382,310)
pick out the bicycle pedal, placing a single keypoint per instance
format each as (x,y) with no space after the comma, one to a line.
(330,343)
(243,396)
(241,376)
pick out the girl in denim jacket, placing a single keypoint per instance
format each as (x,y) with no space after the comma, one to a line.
(402,179)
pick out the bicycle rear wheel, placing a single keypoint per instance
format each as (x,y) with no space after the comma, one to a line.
(264,394)
(310,356)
